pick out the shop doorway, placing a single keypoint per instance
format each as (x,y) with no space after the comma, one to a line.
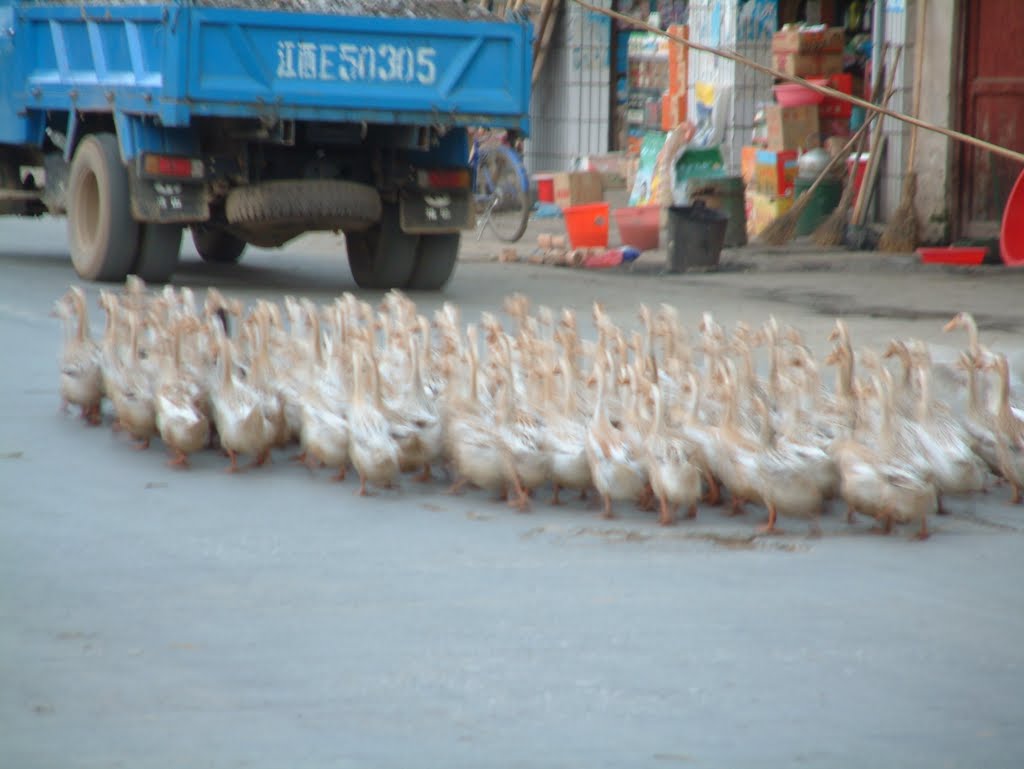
(992,108)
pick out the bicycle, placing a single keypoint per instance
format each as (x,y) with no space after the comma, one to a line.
(501,187)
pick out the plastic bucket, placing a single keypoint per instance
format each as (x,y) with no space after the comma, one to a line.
(696,235)
(545,188)
(823,203)
(587,225)
(639,226)
(1011,234)
(725,194)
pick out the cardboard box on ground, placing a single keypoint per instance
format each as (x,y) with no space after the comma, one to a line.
(578,187)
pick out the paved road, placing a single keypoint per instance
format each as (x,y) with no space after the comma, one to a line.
(154,618)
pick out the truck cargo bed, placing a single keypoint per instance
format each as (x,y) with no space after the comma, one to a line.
(442,67)
(402,9)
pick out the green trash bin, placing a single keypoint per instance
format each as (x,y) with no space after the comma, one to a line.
(824,202)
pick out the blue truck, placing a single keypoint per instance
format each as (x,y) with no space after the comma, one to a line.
(252,123)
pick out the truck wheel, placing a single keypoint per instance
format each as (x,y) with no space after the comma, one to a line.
(102,235)
(10,180)
(382,257)
(435,261)
(217,245)
(301,205)
(159,249)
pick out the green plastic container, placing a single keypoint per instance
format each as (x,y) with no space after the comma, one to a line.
(824,202)
(725,194)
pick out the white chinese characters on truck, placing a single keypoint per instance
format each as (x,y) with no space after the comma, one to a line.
(351,63)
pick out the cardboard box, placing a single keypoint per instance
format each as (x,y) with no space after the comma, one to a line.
(748,164)
(678,59)
(817,39)
(673,110)
(792,128)
(764,209)
(775,172)
(837,108)
(808,64)
(577,188)
(611,168)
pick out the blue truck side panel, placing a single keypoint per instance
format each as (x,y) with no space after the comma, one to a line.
(161,65)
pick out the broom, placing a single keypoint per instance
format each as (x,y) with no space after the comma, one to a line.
(832,231)
(783,229)
(900,234)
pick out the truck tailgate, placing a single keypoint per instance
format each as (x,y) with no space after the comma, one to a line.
(374,69)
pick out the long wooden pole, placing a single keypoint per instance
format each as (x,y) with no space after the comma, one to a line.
(825,90)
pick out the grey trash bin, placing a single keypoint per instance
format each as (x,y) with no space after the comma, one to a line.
(696,235)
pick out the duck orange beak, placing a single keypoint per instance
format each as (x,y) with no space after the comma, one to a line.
(951,326)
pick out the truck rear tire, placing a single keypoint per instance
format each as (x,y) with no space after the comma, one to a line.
(435,261)
(382,257)
(217,245)
(10,180)
(102,235)
(278,211)
(159,250)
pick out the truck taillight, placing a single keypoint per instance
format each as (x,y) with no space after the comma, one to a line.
(172,166)
(444,179)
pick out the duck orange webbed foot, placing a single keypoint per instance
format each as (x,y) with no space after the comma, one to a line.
(180,459)
(426,476)
(666,517)
(233,467)
(769,528)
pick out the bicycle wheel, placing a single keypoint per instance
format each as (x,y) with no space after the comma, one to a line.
(501,193)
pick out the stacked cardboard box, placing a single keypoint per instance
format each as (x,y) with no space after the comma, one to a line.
(808,51)
(577,188)
(673,102)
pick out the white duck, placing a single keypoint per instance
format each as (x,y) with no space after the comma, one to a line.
(242,425)
(372,446)
(81,381)
(674,477)
(180,418)
(616,460)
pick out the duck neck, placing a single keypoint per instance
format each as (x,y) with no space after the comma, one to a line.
(973,342)
(227,362)
(1003,391)
(316,339)
(924,404)
(82,332)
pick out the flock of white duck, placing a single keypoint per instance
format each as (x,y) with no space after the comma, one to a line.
(652,416)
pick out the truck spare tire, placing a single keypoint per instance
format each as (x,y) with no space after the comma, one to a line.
(275,212)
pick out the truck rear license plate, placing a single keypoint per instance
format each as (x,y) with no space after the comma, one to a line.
(436,211)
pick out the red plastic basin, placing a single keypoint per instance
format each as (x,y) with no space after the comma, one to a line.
(962,255)
(1011,235)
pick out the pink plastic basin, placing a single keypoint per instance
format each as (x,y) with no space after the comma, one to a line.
(639,226)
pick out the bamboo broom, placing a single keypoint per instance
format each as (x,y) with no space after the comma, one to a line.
(832,231)
(900,234)
(783,229)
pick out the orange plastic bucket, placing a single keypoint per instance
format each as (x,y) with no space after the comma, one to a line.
(587,225)
(1011,235)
